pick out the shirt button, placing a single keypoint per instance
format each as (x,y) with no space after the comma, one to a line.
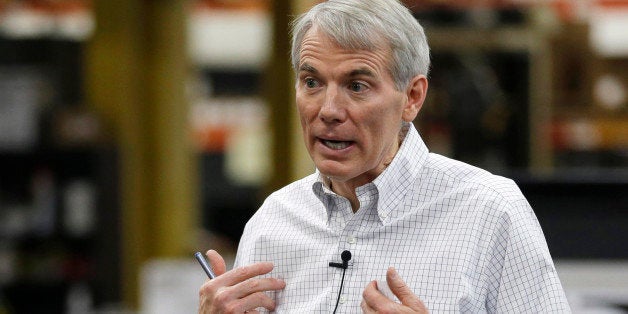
(343,299)
(351,240)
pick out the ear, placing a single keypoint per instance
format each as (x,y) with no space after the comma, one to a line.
(416,93)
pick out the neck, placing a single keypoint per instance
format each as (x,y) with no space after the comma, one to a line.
(347,191)
(347,188)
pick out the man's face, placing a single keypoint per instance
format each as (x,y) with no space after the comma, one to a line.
(349,109)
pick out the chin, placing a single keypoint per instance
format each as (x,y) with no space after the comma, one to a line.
(333,171)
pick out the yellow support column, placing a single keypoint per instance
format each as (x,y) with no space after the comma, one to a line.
(174,173)
(302,164)
(290,159)
(135,74)
(279,95)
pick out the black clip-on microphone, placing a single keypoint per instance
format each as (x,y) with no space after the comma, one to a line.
(345,256)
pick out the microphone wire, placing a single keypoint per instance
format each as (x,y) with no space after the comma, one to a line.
(342,281)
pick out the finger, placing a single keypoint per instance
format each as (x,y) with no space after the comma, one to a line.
(247,304)
(252,286)
(225,292)
(217,262)
(366,308)
(402,291)
(233,300)
(241,274)
(256,300)
(373,298)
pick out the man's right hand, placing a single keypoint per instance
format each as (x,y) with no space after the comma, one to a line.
(237,291)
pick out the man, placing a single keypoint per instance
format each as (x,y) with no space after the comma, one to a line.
(443,236)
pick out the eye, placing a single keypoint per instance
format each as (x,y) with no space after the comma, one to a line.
(310,83)
(357,87)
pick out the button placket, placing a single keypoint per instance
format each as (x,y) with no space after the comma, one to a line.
(351,239)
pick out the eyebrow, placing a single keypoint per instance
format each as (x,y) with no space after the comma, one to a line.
(305,67)
(362,71)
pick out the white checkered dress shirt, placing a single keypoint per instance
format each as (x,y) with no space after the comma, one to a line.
(464,240)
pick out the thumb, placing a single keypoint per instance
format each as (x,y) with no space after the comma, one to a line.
(217,262)
(402,291)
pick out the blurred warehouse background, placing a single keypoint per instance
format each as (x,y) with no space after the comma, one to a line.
(133,133)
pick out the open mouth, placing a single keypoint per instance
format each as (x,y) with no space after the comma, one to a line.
(336,145)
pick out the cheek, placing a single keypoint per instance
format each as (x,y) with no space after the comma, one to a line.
(306,114)
(306,109)
(380,119)
(382,125)
(374,134)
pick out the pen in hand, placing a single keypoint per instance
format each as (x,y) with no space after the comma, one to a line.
(208,269)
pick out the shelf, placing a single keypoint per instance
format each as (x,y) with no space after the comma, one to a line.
(511,38)
(64,20)
(229,39)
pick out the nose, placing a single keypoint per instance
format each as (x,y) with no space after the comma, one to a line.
(332,110)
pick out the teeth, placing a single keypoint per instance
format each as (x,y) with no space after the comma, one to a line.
(336,144)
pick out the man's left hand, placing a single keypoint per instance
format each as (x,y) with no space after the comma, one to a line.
(373,301)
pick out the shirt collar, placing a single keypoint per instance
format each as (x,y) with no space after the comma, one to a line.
(400,175)
(393,183)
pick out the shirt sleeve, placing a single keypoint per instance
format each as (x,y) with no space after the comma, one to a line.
(522,276)
(243,254)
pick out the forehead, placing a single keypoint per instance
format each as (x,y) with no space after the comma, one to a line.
(317,45)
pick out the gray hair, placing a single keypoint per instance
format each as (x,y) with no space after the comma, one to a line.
(369,25)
